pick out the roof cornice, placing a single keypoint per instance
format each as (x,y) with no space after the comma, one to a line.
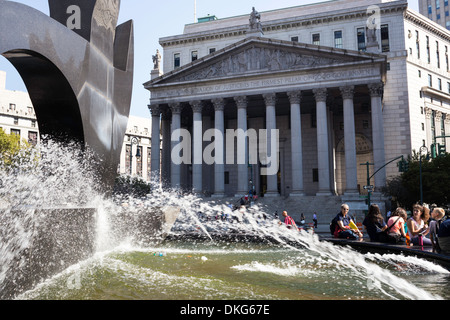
(279,24)
(427,24)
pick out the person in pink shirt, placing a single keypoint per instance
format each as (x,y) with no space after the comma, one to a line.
(397,221)
(288,221)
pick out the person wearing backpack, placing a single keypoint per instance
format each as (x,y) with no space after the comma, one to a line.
(437,214)
(341,225)
(444,237)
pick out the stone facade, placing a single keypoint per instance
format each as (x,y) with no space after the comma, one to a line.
(311,73)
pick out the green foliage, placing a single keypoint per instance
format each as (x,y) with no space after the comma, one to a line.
(131,186)
(13,151)
(405,188)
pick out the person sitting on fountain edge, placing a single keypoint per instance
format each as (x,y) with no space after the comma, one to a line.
(343,220)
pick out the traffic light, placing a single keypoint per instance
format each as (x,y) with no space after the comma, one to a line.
(406,166)
(400,166)
(441,149)
(433,151)
(403,166)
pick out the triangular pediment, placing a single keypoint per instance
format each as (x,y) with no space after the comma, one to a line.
(263,56)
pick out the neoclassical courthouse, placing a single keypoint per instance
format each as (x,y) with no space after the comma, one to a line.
(344,82)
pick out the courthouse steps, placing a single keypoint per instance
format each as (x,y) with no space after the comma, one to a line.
(326,207)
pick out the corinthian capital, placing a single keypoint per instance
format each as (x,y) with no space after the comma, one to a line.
(155,110)
(219,104)
(197,106)
(320,94)
(347,92)
(175,107)
(241,102)
(295,97)
(270,99)
(376,89)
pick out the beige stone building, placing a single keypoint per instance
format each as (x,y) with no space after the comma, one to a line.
(344,83)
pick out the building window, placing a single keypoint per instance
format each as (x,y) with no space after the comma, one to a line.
(448,87)
(33,123)
(447,25)
(194,55)
(423,126)
(315,175)
(16,121)
(294,39)
(365,124)
(428,49)
(445,2)
(446,58)
(438,16)
(316,39)
(438,4)
(384,38)
(212,50)
(421,110)
(417,44)
(446,13)
(12,107)
(430,9)
(439,83)
(430,80)
(361,38)
(420,74)
(32,138)
(15,131)
(176,60)
(338,39)
(227,177)
(437,55)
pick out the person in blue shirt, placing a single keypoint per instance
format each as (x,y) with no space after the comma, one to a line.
(444,237)
(343,229)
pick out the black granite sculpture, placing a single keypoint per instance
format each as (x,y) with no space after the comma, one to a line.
(77,66)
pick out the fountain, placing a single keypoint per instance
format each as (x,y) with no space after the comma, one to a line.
(63,237)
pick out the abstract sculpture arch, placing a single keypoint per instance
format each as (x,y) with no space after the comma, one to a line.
(79,80)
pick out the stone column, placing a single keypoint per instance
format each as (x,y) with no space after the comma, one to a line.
(295,98)
(242,146)
(351,168)
(379,159)
(270,100)
(447,131)
(219,165)
(175,169)
(155,173)
(322,142)
(428,115)
(197,149)
(165,163)
(437,126)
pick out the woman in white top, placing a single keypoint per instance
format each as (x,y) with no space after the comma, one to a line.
(417,227)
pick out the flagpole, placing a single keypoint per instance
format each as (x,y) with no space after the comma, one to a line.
(195,11)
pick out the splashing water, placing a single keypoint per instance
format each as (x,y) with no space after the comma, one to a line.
(270,261)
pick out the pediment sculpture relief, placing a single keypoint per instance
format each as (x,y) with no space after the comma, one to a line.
(257,59)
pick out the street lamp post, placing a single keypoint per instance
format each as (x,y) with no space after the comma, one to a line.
(135,141)
(420,172)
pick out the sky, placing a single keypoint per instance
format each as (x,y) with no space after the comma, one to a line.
(156,19)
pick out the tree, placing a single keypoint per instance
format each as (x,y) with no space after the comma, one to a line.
(405,188)
(13,150)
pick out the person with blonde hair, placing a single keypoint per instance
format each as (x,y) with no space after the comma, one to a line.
(437,214)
